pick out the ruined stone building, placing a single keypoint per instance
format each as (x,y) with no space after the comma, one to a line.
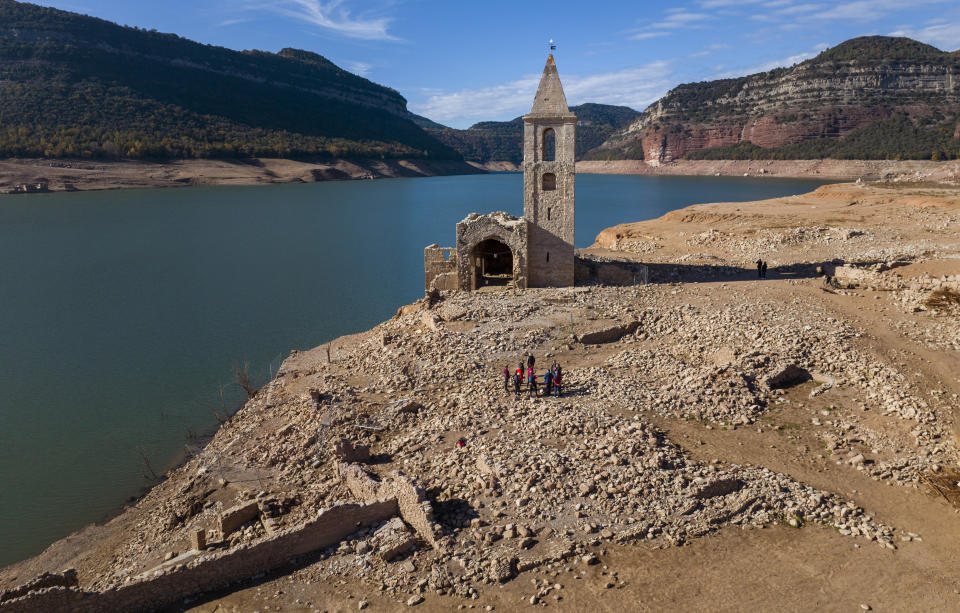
(536,251)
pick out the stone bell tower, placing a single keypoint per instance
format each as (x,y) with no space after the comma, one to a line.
(549,136)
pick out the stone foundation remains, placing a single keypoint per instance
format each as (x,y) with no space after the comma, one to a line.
(440,267)
(607,271)
(196,572)
(213,570)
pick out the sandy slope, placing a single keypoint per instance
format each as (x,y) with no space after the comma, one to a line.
(92,175)
(868,170)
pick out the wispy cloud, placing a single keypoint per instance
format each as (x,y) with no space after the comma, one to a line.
(360,68)
(634,87)
(233,22)
(765,66)
(646,35)
(849,11)
(680,19)
(869,10)
(332,15)
(946,36)
(720,4)
(675,19)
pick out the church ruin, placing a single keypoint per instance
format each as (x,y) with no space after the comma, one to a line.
(536,251)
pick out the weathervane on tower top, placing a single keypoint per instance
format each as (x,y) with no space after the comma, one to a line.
(553,46)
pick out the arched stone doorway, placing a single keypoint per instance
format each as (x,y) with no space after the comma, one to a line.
(492,264)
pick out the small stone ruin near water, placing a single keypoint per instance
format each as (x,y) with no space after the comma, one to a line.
(537,251)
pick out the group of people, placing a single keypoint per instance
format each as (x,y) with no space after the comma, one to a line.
(552,379)
(761,269)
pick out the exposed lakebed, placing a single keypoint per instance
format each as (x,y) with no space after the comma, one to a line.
(123,313)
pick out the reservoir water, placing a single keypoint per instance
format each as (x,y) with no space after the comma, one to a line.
(122,313)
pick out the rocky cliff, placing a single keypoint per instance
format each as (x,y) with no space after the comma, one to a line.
(870,97)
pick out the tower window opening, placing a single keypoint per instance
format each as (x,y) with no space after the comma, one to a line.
(548,212)
(549,151)
(548,256)
(549,182)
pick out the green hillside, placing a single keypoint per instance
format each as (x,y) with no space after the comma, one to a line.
(77,86)
(503,140)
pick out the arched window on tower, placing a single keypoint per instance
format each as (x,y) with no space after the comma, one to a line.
(549,182)
(549,145)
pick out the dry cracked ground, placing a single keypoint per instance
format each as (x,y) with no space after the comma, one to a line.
(735,444)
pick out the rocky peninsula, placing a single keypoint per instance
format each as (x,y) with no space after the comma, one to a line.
(723,442)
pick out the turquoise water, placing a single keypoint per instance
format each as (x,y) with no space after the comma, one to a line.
(122,313)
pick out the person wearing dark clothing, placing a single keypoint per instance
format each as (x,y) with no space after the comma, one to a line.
(506,378)
(547,383)
(531,382)
(531,361)
(558,382)
(516,385)
(763,272)
(759,269)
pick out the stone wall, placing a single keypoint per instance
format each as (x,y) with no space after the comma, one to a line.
(66,579)
(870,278)
(412,504)
(509,230)
(550,212)
(214,571)
(440,267)
(607,271)
(415,509)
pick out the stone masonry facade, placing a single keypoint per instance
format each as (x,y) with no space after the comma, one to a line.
(549,183)
(541,244)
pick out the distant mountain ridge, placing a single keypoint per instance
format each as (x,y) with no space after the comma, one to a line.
(872,97)
(77,86)
(502,141)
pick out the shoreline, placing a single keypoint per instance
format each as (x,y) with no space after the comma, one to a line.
(692,252)
(69,175)
(907,171)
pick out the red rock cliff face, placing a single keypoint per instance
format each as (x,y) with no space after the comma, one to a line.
(826,97)
(775,130)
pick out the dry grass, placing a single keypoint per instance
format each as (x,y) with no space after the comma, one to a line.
(945,483)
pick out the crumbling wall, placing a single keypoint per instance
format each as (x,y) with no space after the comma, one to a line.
(606,271)
(233,518)
(214,571)
(871,278)
(66,579)
(359,482)
(412,503)
(440,268)
(415,509)
(500,226)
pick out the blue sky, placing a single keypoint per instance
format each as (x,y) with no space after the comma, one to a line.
(461,62)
